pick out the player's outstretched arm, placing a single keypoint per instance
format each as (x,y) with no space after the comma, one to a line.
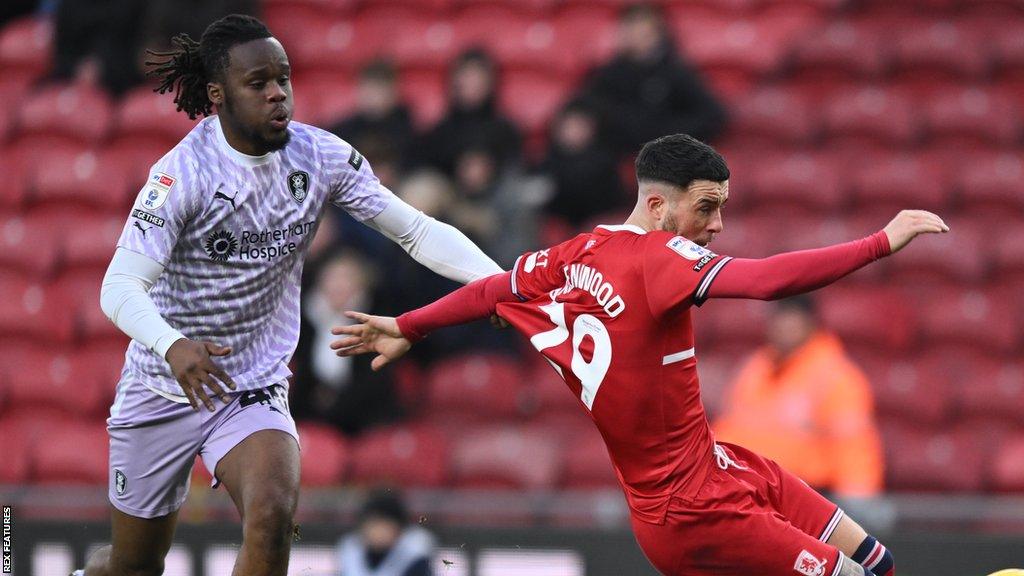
(792,273)
(380,333)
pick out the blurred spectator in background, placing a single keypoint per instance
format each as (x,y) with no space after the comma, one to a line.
(114,34)
(472,118)
(10,9)
(647,90)
(583,167)
(385,543)
(341,391)
(380,116)
(497,205)
(801,401)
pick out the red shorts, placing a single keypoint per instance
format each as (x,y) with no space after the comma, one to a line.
(752,517)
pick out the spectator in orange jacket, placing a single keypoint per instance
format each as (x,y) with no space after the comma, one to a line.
(801,401)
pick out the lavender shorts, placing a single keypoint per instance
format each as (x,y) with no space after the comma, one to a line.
(154,441)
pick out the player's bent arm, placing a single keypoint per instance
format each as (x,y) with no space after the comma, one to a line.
(438,246)
(125,300)
(794,273)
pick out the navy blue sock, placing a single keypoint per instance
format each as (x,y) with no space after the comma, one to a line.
(872,555)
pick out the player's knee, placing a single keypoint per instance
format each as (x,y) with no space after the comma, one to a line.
(874,556)
(134,567)
(269,522)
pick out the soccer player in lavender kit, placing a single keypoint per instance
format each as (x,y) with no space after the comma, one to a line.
(208,266)
(611,311)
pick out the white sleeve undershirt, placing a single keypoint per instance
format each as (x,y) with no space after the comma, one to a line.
(125,300)
(434,244)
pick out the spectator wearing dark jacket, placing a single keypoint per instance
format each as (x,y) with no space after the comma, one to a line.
(380,115)
(647,90)
(472,119)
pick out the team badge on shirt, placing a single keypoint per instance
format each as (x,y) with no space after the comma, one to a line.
(298,183)
(120,482)
(688,249)
(155,193)
(808,565)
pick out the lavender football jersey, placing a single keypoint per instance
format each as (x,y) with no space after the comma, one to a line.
(232,233)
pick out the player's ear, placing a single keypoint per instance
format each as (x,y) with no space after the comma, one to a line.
(215,92)
(655,205)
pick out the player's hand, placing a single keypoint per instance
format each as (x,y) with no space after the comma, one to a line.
(193,368)
(378,334)
(908,224)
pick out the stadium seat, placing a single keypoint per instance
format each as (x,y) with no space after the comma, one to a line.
(719,42)
(422,43)
(138,154)
(518,41)
(1007,465)
(314,42)
(1009,254)
(75,112)
(774,115)
(841,49)
(323,98)
(531,99)
(527,7)
(960,255)
(49,378)
(81,461)
(586,461)
(974,116)
(919,459)
(17,453)
(506,457)
(915,391)
(993,390)
(14,190)
(548,392)
(144,113)
(896,181)
(482,386)
(407,456)
(25,249)
(585,33)
(938,48)
(94,242)
(325,455)
(26,46)
(979,318)
(1008,51)
(798,181)
(80,180)
(735,321)
(991,181)
(872,116)
(878,317)
(425,92)
(80,290)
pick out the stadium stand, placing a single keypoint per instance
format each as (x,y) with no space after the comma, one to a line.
(834,126)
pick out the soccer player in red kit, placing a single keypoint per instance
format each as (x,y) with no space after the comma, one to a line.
(611,311)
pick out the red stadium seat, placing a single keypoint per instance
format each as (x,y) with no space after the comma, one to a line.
(517,41)
(480,386)
(26,46)
(799,181)
(973,116)
(917,391)
(1009,254)
(549,394)
(408,456)
(14,190)
(993,390)
(776,115)
(749,235)
(586,461)
(981,318)
(918,459)
(80,179)
(585,33)
(938,48)
(83,460)
(17,453)
(722,42)
(842,48)
(528,7)
(138,154)
(323,98)
(23,248)
(739,322)
(1008,465)
(424,90)
(992,181)
(325,455)
(871,115)
(506,457)
(422,43)
(877,317)
(1008,51)
(531,99)
(94,242)
(895,182)
(80,291)
(144,113)
(314,42)
(75,112)
(41,378)
(959,255)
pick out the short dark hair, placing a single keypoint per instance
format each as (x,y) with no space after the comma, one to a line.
(380,70)
(679,159)
(384,503)
(641,11)
(190,65)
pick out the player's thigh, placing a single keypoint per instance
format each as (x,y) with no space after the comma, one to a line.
(139,545)
(261,474)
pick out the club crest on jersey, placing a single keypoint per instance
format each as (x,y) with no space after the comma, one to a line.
(298,184)
(120,482)
(808,565)
(688,249)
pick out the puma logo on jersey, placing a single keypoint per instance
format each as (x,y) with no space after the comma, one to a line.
(218,195)
(143,230)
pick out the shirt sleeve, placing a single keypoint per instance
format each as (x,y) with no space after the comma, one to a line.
(678,272)
(167,201)
(354,186)
(537,273)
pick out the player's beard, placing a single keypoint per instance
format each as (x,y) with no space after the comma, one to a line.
(255,135)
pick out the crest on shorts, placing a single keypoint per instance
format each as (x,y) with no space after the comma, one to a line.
(298,184)
(120,482)
(808,565)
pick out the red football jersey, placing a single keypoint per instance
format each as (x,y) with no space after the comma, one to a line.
(610,310)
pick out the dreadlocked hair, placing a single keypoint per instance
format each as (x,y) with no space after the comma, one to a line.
(189,66)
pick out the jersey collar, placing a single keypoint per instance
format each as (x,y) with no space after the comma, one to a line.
(243,159)
(623,228)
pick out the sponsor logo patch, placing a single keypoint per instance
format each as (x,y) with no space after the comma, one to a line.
(355,159)
(703,262)
(120,482)
(688,249)
(221,245)
(536,260)
(147,217)
(298,184)
(808,565)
